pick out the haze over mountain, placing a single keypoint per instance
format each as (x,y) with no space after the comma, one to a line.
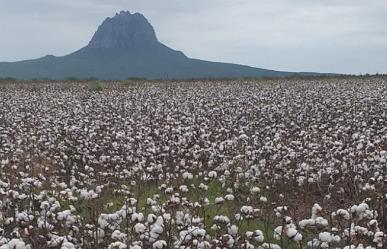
(126,46)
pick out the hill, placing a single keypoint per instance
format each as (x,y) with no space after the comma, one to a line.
(126,46)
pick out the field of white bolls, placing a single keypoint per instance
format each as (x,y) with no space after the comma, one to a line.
(267,164)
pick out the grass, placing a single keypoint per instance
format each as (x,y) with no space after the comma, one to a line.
(86,209)
(96,86)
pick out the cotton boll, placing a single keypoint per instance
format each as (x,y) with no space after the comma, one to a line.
(151,218)
(118,245)
(257,235)
(278,232)
(137,217)
(342,214)
(67,245)
(229,240)
(160,244)
(203,186)
(378,238)
(15,244)
(117,235)
(270,246)
(293,234)
(219,200)
(139,228)
(229,197)
(150,201)
(232,230)
(212,174)
(255,190)
(325,237)
(321,222)
(183,188)
(222,219)
(247,210)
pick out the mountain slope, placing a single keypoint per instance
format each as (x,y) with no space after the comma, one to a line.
(126,46)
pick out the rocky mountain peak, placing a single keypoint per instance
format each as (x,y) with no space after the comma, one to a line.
(124,30)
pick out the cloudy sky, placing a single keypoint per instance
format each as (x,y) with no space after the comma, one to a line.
(340,36)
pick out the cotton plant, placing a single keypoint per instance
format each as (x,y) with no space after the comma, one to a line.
(194,164)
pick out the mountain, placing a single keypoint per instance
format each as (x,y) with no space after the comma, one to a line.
(126,46)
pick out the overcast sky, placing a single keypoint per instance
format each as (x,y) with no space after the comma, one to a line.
(338,36)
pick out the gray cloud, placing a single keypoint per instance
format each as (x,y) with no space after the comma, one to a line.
(347,36)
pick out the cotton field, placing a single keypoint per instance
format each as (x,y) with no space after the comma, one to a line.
(272,164)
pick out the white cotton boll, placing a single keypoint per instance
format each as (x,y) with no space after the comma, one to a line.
(343,213)
(15,244)
(98,189)
(55,241)
(44,224)
(247,245)
(297,237)
(195,242)
(232,230)
(278,232)
(307,222)
(229,197)
(175,199)
(222,219)
(315,210)
(44,205)
(117,245)
(137,217)
(249,234)
(215,227)
(168,190)
(270,246)
(187,175)
(263,199)
(378,238)
(150,201)
(118,235)
(350,247)
(160,244)
(156,209)
(247,210)
(157,229)
(315,243)
(167,217)
(229,240)
(255,190)
(185,235)
(151,218)
(243,137)
(279,211)
(67,245)
(293,234)
(203,186)
(102,221)
(204,245)
(197,232)
(258,236)
(212,174)
(219,200)
(100,233)
(321,222)
(197,220)
(183,188)
(132,201)
(139,228)
(325,237)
